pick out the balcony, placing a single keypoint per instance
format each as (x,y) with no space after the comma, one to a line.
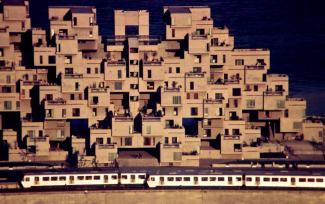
(199,36)
(172,89)
(59,101)
(273,93)
(254,67)
(172,145)
(123,118)
(151,118)
(156,62)
(231,81)
(106,146)
(213,101)
(98,90)
(232,137)
(38,139)
(66,37)
(115,62)
(195,74)
(73,76)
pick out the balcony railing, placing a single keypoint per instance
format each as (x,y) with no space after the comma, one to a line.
(116,62)
(38,139)
(106,146)
(98,90)
(172,145)
(56,102)
(153,62)
(195,74)
(172,89)
(70,76)
(213,101)
(198,36)
(151,118)
(273,93)
(254,67)
(232,137)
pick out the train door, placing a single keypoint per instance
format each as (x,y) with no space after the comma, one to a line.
(257,181)
(71,179)
(229,180)
(161,180)
(132,178)
(105,178)
(293,181)
(36,180)
(244,180)
(196,180)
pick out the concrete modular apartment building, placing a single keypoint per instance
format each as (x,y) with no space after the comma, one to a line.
(187,95)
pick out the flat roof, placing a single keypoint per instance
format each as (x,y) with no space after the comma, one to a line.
(14,2)
(178,9)
(82,9)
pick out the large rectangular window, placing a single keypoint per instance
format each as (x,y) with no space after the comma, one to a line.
(194,111)
(7,105)
(76,112)
(118,85)
(177,100)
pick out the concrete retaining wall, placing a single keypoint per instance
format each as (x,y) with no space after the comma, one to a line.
(167,197)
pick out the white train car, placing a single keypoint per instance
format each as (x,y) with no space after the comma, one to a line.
(194,178)
(54,179)
(133,177)
(285,179)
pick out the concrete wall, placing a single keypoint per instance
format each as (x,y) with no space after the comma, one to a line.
(170,196)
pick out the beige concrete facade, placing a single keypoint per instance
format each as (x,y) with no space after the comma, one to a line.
(187,95)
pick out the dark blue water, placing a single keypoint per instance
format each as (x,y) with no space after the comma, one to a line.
(294,30)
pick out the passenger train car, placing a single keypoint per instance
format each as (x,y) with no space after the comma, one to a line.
(177,177)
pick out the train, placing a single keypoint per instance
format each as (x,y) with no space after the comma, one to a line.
(176,178)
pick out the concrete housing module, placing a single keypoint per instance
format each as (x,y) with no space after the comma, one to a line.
(185,96)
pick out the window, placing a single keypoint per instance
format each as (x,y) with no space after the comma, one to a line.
(188,96)
(239,62)
(191,85)
(88,70)
(118,85)
(238,178)
(62,178)
(174,140)
(1,52)
(54,178)
(214,58)
(255,87)
(178,70)
(75,21)
(279,88)
(141,177)
(237,148)
(218,96)
(170,178)
(196,96)
(41,59)
(119,74)
(302,180)
(178,179)
(27,179)
(319,180)
(248,179)
(68,70)
(275,179)
(89,178)
(177,156)
(173,33)
(166,140)
(96,70)
(177,100)
(194,111)
(221,178)
(68,59)
(128,141)
(250,103)
(96,177)
(283,179)
(76,112)
(212,178)
(76,85)
(266,179)
(197,59)
(149,74)
(152,178)
(170,70)
(297,125)
(310,180)
(52,60)
(95,100)
(148,129)
(187,179)
(7,105)
(80,178)
(49,97)
(224,58)
(8,79)
(99,140)
(46,178)
(17,105)
(280,103)
(204,178)
(236,92)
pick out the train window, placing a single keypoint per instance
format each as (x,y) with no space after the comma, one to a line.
(161,178)
(27,179)
(124,177)
(212,178)
(80,177)
(178,178)
(238,178)
(221,179)
(187,179)
(248,178)
(141,177)
(89,177)
(96,177)
(275,179)
(46,178)
(204,178)
(170,178)
(54,178)
(266,179)
(283,179)
(257,179)
(62,178)
(310,180)
(152,178)
(302,180)
(319,180)
(230,179)
(114,177)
